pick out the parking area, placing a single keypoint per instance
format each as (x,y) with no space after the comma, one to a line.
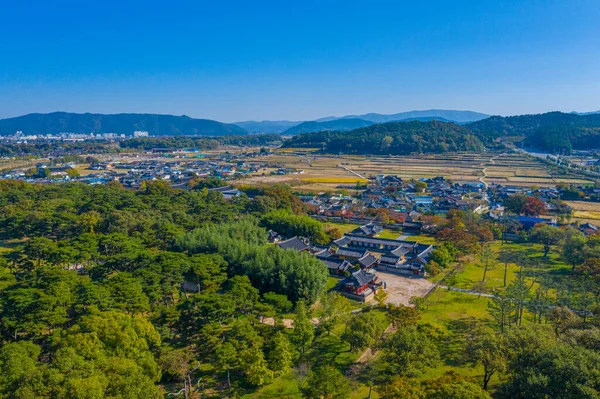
(401,289)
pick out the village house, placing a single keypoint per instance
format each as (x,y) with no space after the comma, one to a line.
(588,229)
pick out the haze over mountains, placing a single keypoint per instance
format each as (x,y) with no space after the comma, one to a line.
(292,128)
(579,124)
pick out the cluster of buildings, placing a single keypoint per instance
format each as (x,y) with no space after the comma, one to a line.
(402,202)
(21,138)
(134,173)
(355,256)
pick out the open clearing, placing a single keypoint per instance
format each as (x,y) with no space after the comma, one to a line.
(401,289)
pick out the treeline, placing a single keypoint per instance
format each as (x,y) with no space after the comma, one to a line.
(53,148)
(203,143)
(394,138)
(552,131)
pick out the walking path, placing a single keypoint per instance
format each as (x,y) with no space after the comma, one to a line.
(484,170)
(445,287)
(351,171)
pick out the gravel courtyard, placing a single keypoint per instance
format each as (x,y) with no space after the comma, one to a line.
(401,289)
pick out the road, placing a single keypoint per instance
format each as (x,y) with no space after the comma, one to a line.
(484,170)
(351,171)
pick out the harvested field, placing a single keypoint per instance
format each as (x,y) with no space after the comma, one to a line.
(585,211)
(340,179)
(507,168)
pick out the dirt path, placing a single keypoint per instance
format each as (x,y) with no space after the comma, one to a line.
(484,169)
(351,171)
(287,323)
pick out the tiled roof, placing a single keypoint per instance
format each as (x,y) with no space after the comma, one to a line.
(293,243)
(359,278)
(367,260)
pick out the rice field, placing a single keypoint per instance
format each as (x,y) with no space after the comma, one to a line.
(328,172)
(340,179)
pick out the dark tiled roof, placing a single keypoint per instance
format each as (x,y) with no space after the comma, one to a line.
(342,242)
(359,278)
(336,264)
(294,243)
(367,260)
(350,253)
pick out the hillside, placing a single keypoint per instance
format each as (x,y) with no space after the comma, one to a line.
(553,131)
(450,115)
(154,124)
(394,138)
(338,124)
(267,127)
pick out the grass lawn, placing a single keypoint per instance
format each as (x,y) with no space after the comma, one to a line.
(552,267)
(389,234)
(342,227)
(421,238)
(331,282)
(453,313)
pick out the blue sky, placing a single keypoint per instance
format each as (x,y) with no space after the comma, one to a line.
(240,60)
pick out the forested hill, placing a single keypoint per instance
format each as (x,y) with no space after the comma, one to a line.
(338,124)
(393,138)
(154,124)
(552,131)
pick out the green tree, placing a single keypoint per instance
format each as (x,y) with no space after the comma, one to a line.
(281,355)
(547,236)
(409,351)
(128,294)
(254,366)
(304,330)
(488,349)
(363,330)
(334,307)
(226,360)
(326,383)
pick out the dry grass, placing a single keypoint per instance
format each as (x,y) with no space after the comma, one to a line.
(515,169)
(584,205)
(588,215)
(334,179)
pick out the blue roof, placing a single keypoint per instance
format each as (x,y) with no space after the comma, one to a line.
(529,219)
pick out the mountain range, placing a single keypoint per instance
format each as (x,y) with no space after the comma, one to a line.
(291,128)
(154,124)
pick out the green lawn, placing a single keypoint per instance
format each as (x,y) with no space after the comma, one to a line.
(471,269)
(422,238)
(342,227)
(331,282)
(389,234)
(453,313)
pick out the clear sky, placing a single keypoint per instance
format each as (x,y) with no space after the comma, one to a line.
(252,59)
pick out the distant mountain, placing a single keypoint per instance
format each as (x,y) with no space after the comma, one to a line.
(154,124)
(338,124)
(394,138)
(450,115)
(267,126)
(586,113)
